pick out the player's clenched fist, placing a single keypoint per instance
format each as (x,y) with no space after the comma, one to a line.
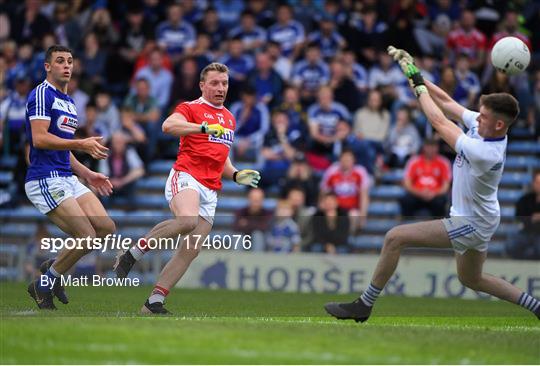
(247,177)
(215,130)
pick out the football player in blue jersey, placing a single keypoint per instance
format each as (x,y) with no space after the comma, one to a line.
(51,180)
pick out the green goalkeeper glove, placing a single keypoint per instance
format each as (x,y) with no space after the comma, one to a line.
(215,130)
(406,62)
(247,177)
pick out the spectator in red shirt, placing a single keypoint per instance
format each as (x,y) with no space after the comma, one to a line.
(468,40)
(350,183)
(427,179)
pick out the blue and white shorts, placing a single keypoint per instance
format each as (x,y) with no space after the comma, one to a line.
(178,181)
(466,234)
(46,194)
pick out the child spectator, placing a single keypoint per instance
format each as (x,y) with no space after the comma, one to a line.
(284,235)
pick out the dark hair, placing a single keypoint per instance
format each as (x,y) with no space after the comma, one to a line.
(143,79)
(55,48)
(347,151)
(505,106)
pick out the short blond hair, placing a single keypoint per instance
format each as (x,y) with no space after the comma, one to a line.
(214,66)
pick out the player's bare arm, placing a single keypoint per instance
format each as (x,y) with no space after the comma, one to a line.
(177,125)
(42,139)
(448,130)
(247,177)
(97,180)
(448,106)
(229,169)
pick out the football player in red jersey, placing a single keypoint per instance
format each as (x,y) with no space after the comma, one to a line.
(206,131)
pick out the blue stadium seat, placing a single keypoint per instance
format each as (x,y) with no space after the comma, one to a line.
(375,226)
(152,183)
(384,209)
(496,248)
(387,192)
(524,147)
(55,232)
(147,217)
(6,178)
(9,249)
(226,220)
(508,211)
(231,187)
(520,132)
(509,195)
(151,201)
(515,162)
(8,162)
(18,230)
(235,203)
(160,167)
(516,179)
(232,203)
(367,242)
(394,176)
(507,229)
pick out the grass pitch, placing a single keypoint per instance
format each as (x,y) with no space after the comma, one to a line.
(102,325)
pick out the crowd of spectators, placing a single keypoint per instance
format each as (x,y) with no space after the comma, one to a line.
(321,108)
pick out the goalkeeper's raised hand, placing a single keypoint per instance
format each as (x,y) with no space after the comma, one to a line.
(215,130)
(247,177)
(399,54)
(406,63)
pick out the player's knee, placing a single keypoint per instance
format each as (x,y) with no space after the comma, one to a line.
(105,227)
(190,223)
(393,239)
(472,282)
(187,224)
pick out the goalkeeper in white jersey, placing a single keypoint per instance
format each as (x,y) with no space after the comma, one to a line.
(475,213)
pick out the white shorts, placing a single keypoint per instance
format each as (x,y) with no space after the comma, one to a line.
(465,234)
(46,194)
(178,181)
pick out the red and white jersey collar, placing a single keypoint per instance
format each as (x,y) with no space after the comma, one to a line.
(210,104)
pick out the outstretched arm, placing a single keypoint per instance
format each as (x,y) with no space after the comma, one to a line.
(177,125)
(448,130)
(97,180)
(448,106)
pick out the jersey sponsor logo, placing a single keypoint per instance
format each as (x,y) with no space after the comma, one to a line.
(208,115)
(227,138)
(67,124)
(58,195)
(64,106)
(461,159)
